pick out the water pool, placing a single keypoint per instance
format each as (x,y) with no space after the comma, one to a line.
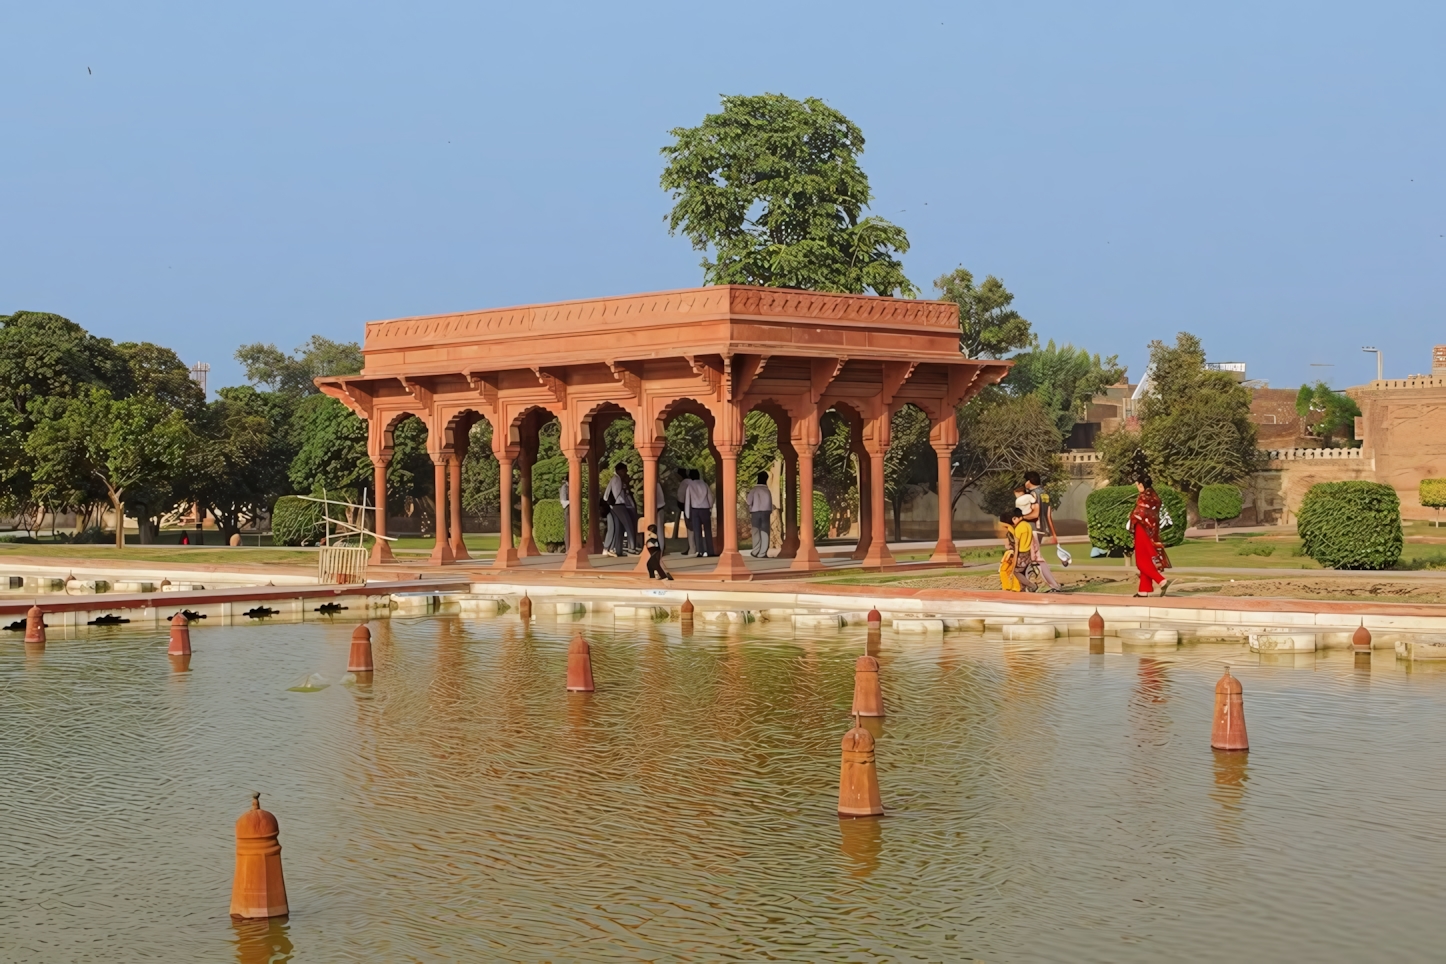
(1043,803)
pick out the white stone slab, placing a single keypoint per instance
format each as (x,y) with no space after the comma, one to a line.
(1422,648)
(1283,642)
(818,621)
(1149,637)
(415,602)
(1032,631)
(647,613)
(135,586)
(994,622)
(967,624)
(923,625)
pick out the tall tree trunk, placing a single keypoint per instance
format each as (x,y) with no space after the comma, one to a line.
(120,521)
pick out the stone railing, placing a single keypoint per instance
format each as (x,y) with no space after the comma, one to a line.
(1286,455)
(1079,457)
(1415,381)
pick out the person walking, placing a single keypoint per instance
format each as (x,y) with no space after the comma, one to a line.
(619,495)
(760,516)
(699,506)
(683,519)
(1023,534)
(1029,500)
(1144,523)
(660,515)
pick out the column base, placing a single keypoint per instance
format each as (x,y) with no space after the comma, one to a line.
(806,560)
(880,556)
(459,552)
(382,553)
(441,555)
(789,549)
(526,547)
(946,553)
(506,559)
(575,560)
(732,567)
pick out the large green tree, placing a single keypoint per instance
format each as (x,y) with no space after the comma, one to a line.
(120,443)
(771,187)
(1001,437)
(1195,427)
(1064,378)
(909,460)
(243,452)
(988,326)
(1327,413)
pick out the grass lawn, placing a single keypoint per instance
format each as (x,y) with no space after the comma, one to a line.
(193,555)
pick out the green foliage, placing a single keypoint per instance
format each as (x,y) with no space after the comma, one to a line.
(292,374)
(46,356)
(1064,378)
(1351,525)
(772,186)
(759,452)
(332,454)
(835,473)
(1195,427)
(822,517)
(481,472)
(296,521)
(1433,493)
(1327,413)
(988,327)
(158,372)
(1108,509)
(549,524)
(117,443)
(1001,437)
(1220,502)
(1254,549)
(547,476)
(239,466)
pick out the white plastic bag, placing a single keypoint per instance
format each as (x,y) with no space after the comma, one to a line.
(1064,557)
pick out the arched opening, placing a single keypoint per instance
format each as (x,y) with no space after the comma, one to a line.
(764,460)
(687,433)
(475,496)
(410,502)
(610,433)
(837,476)
(910,471)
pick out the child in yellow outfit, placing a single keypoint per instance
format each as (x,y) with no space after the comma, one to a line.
(1019,540)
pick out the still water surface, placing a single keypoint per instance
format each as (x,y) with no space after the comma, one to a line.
(1043,804)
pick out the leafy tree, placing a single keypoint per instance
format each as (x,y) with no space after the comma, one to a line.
(242,457)
(332,456)
(120,443)
(1195,427)
(1327,413)
(1001,437)
(1064,378)
(1220,502)
(292,374)
(481,472)
(988,327)
(46,356)
(772,186)
(158,372)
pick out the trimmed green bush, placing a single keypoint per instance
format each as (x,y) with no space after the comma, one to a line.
(1433,496)
(295,521)
(1351,525)
(1108,509)
(1219,502)
(822,517)
(549,524)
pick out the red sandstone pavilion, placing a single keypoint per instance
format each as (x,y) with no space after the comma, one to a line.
(717,352)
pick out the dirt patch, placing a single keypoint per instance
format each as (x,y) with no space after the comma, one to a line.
(990,580)
(1374,588)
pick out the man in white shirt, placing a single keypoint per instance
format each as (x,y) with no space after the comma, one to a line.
(619,498)
(760,514)
(683,519)
(698,503)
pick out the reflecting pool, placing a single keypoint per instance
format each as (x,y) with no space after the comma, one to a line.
(1043,803)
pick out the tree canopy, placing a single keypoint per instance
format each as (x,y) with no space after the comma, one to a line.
(1064,378)
(988,326)
(771,186)
(1327,413)
(292,374)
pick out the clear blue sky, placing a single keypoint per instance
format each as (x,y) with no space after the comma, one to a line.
(1268,176)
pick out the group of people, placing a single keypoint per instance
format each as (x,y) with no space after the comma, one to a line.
(695,514)
(1029,522)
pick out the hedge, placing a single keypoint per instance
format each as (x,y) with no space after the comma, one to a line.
(549,524)
(1108,509)
(295,521)
(1351,525)
(822,517)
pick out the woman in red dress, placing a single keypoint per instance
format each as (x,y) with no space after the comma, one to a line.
(1144,522)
